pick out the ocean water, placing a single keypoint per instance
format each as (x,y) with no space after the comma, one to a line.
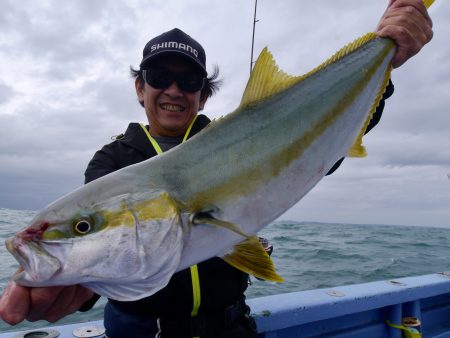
(308,255)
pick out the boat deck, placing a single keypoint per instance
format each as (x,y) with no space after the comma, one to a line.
(351,311)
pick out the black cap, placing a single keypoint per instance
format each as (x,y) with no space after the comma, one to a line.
(178,43)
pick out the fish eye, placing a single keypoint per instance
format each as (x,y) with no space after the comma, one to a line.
(82,226)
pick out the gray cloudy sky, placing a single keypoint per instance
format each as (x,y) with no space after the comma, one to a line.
(65,90)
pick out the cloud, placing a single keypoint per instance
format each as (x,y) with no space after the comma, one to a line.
(359,193)
(66,90)
(6,93)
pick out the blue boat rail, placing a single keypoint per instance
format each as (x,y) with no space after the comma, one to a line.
(360,310)
(351,311)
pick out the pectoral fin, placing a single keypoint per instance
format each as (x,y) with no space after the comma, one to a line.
(207,218)
(250,257)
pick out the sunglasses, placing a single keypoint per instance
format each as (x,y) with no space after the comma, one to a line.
(161,78)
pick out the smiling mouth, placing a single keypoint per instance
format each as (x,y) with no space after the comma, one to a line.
(172,107)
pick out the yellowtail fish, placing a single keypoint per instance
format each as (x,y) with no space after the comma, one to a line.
(125,234)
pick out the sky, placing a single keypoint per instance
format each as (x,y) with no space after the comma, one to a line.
(65,90)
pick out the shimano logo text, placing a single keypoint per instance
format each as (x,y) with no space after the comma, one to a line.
(177,45)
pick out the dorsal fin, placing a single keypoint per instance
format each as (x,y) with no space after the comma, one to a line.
(266,79)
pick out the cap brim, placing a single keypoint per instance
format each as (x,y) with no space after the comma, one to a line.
(186,56)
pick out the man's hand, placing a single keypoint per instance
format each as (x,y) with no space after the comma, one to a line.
(51,303)
(407,23)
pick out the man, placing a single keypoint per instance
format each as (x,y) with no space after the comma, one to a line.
(171,104)
(206,300)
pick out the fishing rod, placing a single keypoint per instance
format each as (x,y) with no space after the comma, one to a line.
(253,36)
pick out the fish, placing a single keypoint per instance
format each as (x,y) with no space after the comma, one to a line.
(125,234)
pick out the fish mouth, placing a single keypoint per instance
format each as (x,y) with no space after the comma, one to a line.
(38,264)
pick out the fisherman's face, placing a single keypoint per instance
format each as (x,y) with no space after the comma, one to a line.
(170,110)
